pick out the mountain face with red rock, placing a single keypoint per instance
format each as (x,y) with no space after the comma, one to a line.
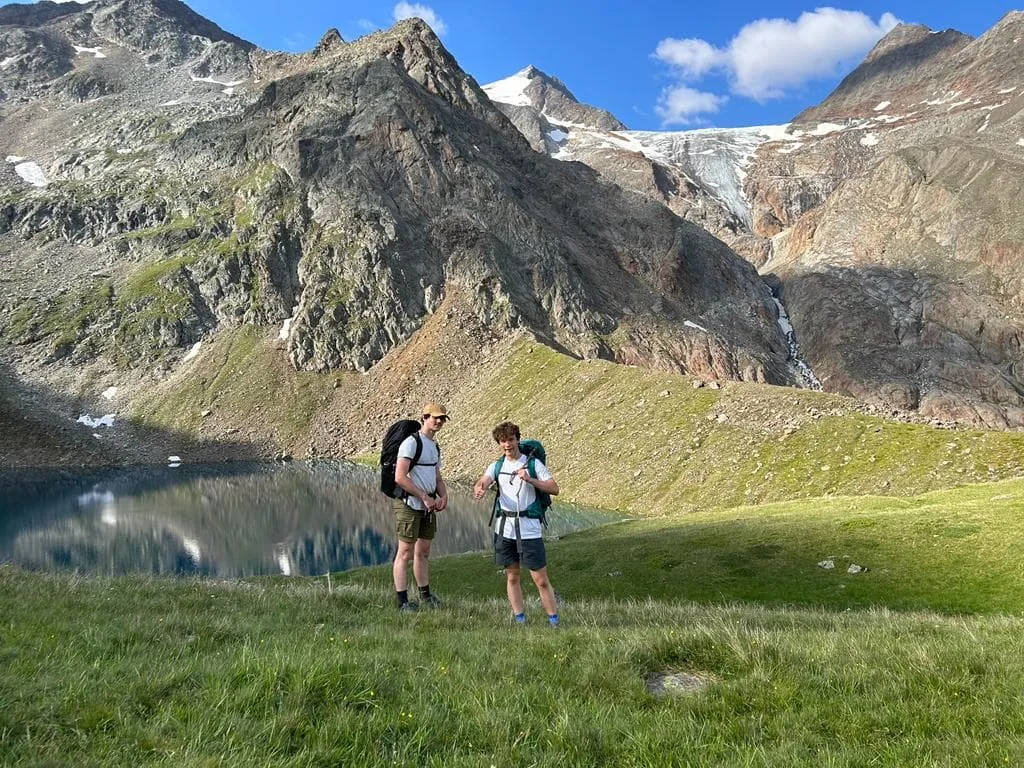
(887,217)
(166,182)
(895,226)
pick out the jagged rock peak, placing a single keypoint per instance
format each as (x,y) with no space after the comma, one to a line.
(142,21)
(531,87)
(909,36)
(332,39)
(903,68)
(35,14)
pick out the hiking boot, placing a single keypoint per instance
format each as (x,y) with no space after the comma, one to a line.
(408,608)
(432,601)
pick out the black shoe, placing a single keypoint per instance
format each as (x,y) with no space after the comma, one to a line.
(408,608)
(432,601)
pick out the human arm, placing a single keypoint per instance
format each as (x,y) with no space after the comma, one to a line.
(442,492)
(481,486)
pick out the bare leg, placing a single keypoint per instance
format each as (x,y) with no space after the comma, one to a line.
(399,569)
(513,588)
(421,562)
(547,592)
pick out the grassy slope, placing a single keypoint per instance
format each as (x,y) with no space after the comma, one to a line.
(642,441)
(245,384)
(651,444)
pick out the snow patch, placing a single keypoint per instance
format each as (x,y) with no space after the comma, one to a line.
(192,352)
(823,129)
(229,85)
(1020,142)
(8,61)
(868,140)
(109,393)
(558,135)
(1011,89)
(94,51)
(511,90)
(93,423)
(32,173)
(286,329)
(691,324)
(882,105)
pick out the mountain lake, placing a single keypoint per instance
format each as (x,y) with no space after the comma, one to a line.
(227,520)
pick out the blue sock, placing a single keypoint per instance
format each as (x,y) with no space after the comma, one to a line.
(520,618)
(553,618)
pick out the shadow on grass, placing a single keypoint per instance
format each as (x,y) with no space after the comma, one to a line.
(955,553)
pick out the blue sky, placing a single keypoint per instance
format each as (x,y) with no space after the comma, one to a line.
(655,64)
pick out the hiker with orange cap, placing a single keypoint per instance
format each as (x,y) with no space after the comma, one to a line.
(418,474)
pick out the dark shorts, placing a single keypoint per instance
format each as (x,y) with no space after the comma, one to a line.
(534,557)
(412,524)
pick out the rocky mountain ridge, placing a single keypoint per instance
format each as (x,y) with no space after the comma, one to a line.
(167,182)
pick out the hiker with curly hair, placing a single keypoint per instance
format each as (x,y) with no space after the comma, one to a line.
(518,528)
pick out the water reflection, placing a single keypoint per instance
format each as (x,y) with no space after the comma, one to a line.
(223,520)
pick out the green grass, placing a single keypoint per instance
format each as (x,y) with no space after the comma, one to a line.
(914,662)
(238,376)
(650,444)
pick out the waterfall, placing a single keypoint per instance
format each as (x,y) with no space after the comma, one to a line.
(796,362)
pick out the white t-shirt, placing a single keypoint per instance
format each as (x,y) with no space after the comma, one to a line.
(516,496)
(424,472)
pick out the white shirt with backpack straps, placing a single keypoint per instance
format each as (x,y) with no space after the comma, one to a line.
(424,473)
(516,495)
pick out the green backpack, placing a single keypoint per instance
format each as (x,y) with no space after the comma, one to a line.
(534,452)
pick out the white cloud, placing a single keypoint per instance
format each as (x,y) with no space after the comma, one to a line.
(693,58)
(770,57)
(679,104)
(404,10)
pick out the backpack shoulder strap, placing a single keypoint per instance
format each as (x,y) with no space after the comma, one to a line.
(419,450)
(531,467)
(497,467)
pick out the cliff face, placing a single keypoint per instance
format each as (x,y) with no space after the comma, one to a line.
(896,233)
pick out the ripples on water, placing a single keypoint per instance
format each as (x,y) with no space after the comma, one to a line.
(225,520)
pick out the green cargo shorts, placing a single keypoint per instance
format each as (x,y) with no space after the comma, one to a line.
(412,524)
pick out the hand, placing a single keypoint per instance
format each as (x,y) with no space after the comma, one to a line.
(523,474)
(429,503)
(442,504)
(478,492)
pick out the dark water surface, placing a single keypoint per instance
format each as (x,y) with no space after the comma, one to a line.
(237,519)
